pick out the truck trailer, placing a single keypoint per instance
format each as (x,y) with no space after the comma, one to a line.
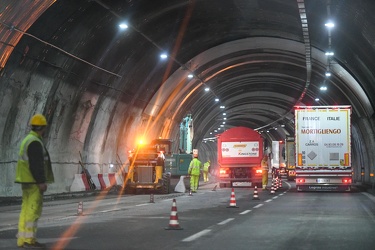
(323,148)
(290,158)
(240,151)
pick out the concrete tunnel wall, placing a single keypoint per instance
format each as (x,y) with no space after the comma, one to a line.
(96,126)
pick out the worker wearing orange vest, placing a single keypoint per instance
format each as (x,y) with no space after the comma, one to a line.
(194,170)
(33,171)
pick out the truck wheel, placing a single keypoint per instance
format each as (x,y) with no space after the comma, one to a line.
(166,187)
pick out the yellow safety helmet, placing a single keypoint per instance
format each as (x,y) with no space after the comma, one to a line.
(38,120)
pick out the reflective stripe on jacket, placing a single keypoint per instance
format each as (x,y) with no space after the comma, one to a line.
(23,173)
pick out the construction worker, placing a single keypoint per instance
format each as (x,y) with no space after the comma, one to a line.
(206,166)
(33,171)
(159,166)
(264,165)
(194,172)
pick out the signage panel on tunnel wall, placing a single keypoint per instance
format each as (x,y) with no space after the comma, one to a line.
(240,149)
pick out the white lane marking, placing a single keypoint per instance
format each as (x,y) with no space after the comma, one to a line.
(370,196)
(246,211)
(110,210)
(268,200)
(369,213)
(225,221)
(258,206)
(144,204)
(197,235)
(275,197)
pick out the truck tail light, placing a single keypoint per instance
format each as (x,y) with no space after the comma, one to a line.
(346,180)
(258,171)
(300,180)
(224,172)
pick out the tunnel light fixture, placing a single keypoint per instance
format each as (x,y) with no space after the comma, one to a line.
(190,76)
(329,24)
(328,74)
(330,53)
(225,118)
(216,99)
(224,113)
(222,125)
(223,122)
(123,26)
(222,107)
(323,88)
(164,56)
(207,89)
(317,99)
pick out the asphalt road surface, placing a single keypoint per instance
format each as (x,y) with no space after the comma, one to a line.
(212,218)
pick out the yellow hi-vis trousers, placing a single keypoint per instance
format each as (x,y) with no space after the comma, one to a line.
(264,178)
(194,180)
(205,176)
(31,210)
(158,173)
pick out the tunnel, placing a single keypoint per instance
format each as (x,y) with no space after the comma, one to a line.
(102,86)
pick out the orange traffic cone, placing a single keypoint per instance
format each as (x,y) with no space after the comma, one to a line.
(255,195)
(232,203)
(173,219)
(80,208)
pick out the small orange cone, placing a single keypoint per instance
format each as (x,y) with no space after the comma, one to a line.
(255,195)
(80,208)
(173,219)
(232,203)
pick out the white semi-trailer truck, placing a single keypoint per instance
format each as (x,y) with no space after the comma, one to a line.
(323,148)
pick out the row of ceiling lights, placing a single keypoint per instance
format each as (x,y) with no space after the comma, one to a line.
(164,56)
(329,25)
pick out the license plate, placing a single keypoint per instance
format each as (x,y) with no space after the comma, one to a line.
(241,184)
(323,180)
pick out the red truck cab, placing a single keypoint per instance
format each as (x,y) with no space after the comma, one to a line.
(240,151)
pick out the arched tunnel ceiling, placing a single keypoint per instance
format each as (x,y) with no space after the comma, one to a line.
(252,54)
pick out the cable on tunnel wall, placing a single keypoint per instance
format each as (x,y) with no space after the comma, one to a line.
(13,28)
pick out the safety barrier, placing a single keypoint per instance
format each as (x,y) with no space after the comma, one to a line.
(108,180)
(101,181)
(79,183)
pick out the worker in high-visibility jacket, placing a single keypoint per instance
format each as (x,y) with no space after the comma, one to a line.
(159,167)
(194,171)
(264,165)
(33,171)
(206,167)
